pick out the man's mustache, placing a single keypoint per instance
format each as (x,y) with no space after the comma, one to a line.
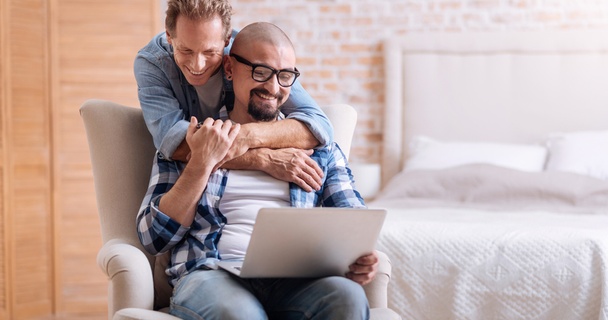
(265,92)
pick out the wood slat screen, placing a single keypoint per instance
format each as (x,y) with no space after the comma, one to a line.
(55,54)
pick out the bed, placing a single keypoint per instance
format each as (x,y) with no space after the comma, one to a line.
(495,175)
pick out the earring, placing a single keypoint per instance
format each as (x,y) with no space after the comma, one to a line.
(229,76)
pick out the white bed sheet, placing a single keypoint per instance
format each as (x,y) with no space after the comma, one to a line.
(459,263)
(462,260)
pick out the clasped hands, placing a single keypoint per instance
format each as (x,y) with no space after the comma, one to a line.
(231,141)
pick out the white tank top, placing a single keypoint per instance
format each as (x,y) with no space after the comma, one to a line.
(246,192)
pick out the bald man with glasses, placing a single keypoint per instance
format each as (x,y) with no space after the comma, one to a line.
(202,213)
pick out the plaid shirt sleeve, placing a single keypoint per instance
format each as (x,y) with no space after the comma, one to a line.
(157,232)
(339,187)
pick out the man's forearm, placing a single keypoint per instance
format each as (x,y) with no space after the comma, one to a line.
(182,152)
(181,201)
(253,159)
(288,133)
(287,164)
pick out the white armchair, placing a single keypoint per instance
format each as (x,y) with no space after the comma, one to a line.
(121,155)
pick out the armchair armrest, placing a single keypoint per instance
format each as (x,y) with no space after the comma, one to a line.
(128,269)
(376,291)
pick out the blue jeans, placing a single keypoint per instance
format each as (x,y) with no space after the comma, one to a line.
(216,294)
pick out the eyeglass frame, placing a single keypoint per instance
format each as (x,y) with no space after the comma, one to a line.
(276,72)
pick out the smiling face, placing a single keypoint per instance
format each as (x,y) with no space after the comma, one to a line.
(259,101)
(198,47)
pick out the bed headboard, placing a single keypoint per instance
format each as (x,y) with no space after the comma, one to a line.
(499,87)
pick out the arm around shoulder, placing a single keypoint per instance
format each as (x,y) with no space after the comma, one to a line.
(302,107)
(161,109)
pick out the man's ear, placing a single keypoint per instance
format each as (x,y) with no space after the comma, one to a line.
(168,37)
(227,67)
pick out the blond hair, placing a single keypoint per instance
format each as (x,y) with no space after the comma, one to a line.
(197,10)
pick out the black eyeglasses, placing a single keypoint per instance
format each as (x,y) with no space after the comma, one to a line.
(262,73)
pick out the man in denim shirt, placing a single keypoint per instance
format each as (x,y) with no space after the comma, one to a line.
(201,214)
(179,75)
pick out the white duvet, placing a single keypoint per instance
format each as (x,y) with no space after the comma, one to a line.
(482,242)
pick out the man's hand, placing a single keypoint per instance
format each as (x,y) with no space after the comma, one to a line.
(240,145)
(292,165)
(210,140)
(364,269)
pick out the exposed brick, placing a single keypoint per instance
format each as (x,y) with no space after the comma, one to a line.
(365,124)
(358,48)
(342,35)
(306,60)
(310,85)
(373,86)
(406,7)
(356,74)
(337,61)
(359,22)
(433,19)
(332,87)
(338,42)
(344,8)
(305,35)
(450,5)
(372,61)
(506,18)
(523,4)
(483,4)
(320,74)
(358,99)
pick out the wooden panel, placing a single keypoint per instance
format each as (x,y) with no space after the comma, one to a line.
(29,166)
(94,45)
(49,230)
(4,101)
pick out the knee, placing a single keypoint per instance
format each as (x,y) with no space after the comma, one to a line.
(210,294)
(347,295)
(243,309)
(228,309)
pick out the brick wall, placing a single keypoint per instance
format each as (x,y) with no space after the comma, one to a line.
(338,42)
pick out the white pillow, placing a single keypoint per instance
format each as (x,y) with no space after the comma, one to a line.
(427,153)
(583,152)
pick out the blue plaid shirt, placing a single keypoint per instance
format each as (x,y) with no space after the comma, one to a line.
(196,246)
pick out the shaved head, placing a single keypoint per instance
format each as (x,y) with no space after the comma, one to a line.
(260,32)
(262,67)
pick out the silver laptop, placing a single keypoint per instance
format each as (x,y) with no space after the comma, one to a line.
(311,242)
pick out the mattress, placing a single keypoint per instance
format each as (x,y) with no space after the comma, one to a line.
(486,255)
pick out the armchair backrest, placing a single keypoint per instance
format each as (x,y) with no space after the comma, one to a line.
(343,117)
(122,151)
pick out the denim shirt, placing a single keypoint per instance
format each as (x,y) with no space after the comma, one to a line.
(168,100)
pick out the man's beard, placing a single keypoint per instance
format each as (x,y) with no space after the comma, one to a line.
(263,111)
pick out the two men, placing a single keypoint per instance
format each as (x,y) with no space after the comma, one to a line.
(201,213)
(200,210)
(179,75)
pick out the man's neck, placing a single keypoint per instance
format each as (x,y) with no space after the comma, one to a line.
(240,115)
